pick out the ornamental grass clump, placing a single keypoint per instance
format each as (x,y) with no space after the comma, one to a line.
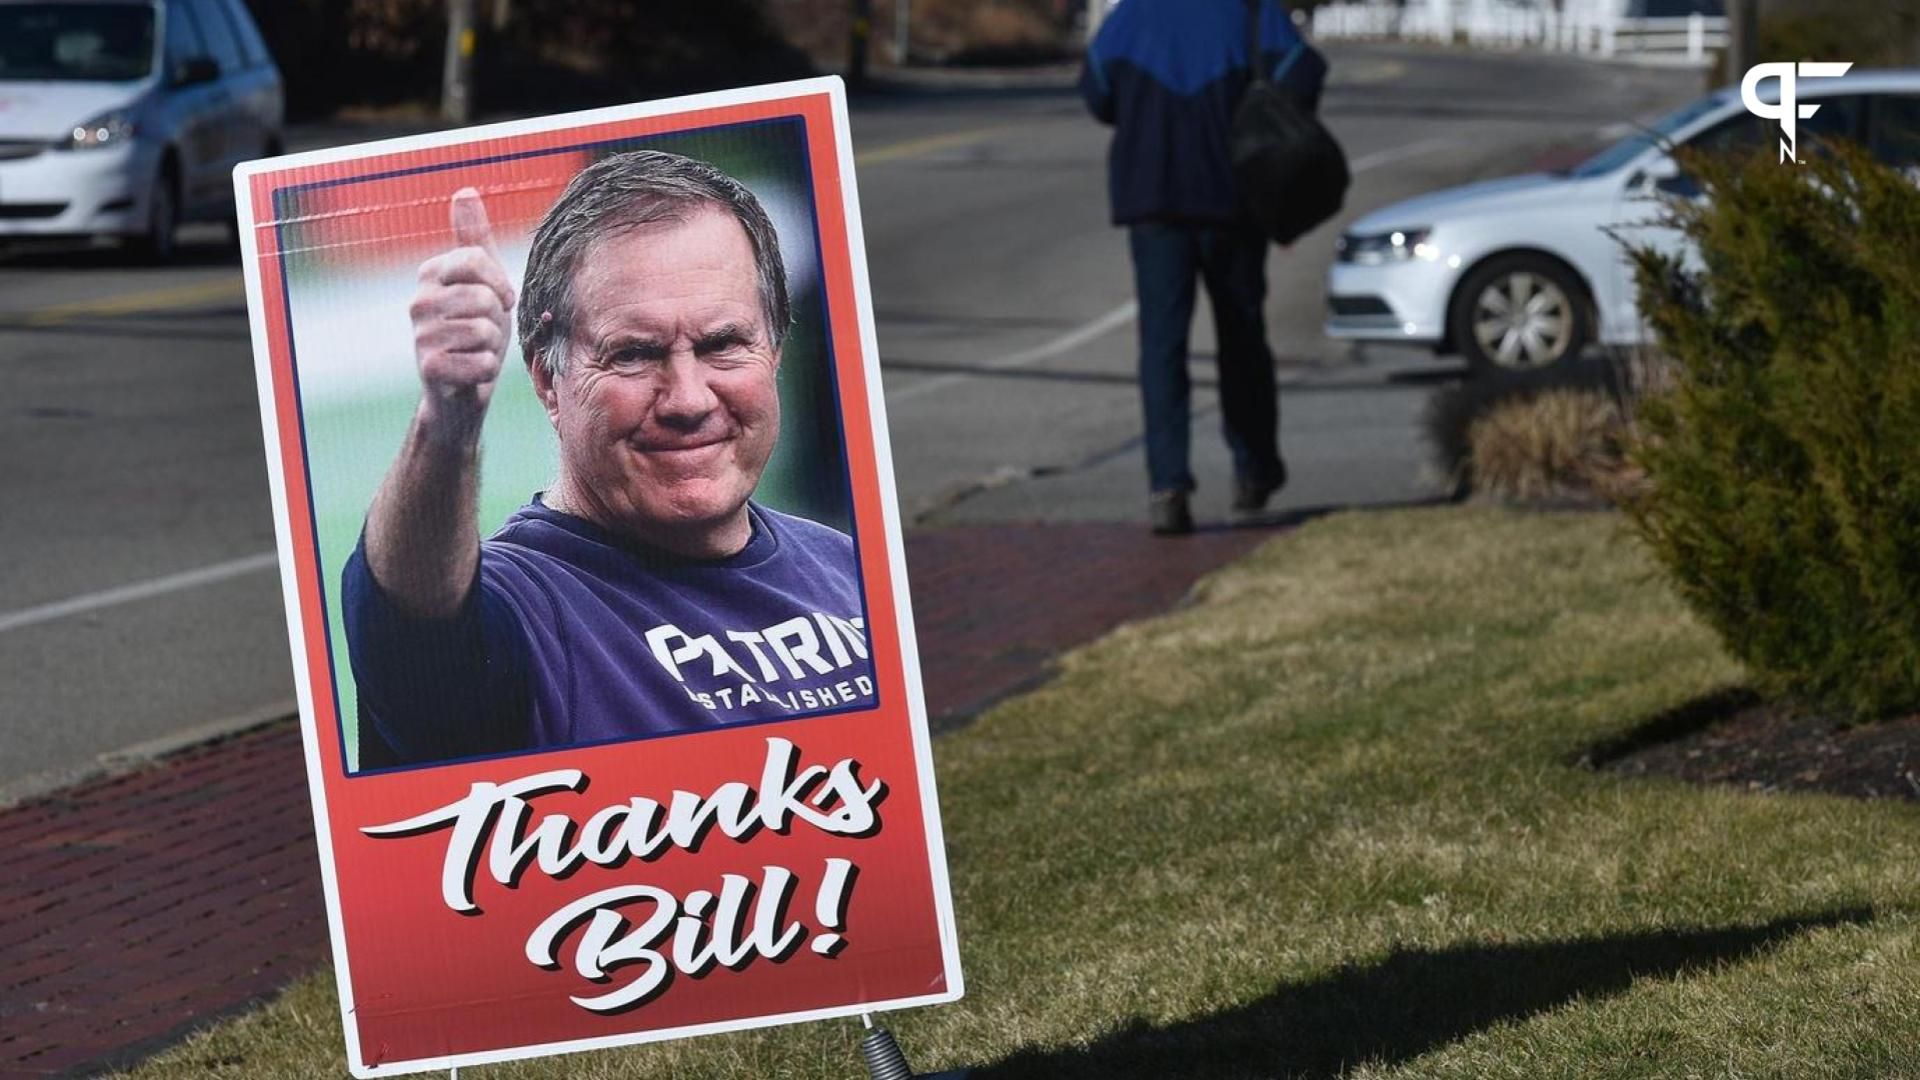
(1554,444)
(1553,435)
(1784,460)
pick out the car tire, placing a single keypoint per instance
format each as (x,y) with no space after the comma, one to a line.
(163,216)
(1520,312)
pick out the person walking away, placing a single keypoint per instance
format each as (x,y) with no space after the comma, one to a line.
(1167,75)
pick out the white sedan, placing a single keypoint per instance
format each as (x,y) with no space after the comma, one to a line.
(1527,271)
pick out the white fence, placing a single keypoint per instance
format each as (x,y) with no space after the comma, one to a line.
(1688,39)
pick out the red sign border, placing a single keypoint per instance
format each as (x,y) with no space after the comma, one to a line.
(822,104)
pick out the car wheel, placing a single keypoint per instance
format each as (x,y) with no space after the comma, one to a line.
(163,216)
(1520,312)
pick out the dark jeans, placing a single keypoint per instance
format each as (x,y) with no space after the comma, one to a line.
(1167,258)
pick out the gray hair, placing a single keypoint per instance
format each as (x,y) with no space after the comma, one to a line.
(627,191)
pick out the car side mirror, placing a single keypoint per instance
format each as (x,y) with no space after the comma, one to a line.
(1658,172)
(1666,177)
(196,70)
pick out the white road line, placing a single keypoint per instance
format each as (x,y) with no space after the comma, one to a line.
(1395,153)
(1066,342)
(267,560)
(1125,313)
(139,590)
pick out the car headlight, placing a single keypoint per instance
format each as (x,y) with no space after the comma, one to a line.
(1400,245)
(108,129)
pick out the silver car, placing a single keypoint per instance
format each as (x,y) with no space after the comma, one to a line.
(125,118)
(1526,271)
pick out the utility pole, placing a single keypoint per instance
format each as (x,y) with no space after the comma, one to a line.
(857,46)
(456,84)
(1743,37)
(902,22)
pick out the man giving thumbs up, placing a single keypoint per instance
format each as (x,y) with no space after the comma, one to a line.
(644,592)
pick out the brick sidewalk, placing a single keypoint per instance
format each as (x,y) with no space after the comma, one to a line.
(135,908)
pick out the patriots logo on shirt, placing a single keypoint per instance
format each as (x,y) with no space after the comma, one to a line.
(799,663)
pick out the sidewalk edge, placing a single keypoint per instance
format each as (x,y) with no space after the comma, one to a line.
(143,754)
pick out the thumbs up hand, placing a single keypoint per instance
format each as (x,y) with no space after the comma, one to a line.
(462,315)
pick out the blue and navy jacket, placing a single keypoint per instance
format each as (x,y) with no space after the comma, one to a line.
(1167,75)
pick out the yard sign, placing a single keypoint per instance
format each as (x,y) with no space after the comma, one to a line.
(515,904)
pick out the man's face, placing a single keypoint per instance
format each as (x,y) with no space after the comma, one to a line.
(668,408)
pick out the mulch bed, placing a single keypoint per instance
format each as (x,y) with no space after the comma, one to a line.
(1736,738)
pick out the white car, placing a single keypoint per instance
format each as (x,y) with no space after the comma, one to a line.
(1526,271)
(126,117)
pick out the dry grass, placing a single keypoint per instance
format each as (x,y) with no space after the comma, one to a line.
(1555,444)
(988,31)
(1557,434)
(943,31)
(1324,821)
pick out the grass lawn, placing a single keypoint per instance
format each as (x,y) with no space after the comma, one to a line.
(1325,820)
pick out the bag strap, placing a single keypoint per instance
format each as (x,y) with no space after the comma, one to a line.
(1293,57)
(1253,48)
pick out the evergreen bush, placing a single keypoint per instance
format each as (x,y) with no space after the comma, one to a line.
(1784,460)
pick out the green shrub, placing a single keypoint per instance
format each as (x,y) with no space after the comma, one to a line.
(1784,460)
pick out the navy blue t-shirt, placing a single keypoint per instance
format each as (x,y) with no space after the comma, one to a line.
(572,635)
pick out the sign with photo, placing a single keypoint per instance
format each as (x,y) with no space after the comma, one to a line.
(594,578)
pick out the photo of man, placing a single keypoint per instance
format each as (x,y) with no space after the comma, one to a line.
(645,591)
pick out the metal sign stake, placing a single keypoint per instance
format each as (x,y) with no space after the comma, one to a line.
(884,1058)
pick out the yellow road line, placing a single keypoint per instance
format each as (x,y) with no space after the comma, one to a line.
(916,147)
(1378,71)
(177,296)
(207,292)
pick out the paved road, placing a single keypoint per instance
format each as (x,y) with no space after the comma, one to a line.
(135,600)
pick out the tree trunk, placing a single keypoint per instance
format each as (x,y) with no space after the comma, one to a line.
(857,45)
(1743,37)
(456,83)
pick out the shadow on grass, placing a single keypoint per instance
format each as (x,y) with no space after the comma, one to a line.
(1411,1002)
(1677,723)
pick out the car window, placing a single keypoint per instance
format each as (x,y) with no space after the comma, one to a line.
(1740,133)
(252,46)
(75,42)
(184,41)
(1895,133)
(1839,117)
(217,31)
(1631,147)
(1842,117)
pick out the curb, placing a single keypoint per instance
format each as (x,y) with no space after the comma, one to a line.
(109,992)
(142,754)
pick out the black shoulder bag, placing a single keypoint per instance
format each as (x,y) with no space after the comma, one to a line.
(1291,173)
